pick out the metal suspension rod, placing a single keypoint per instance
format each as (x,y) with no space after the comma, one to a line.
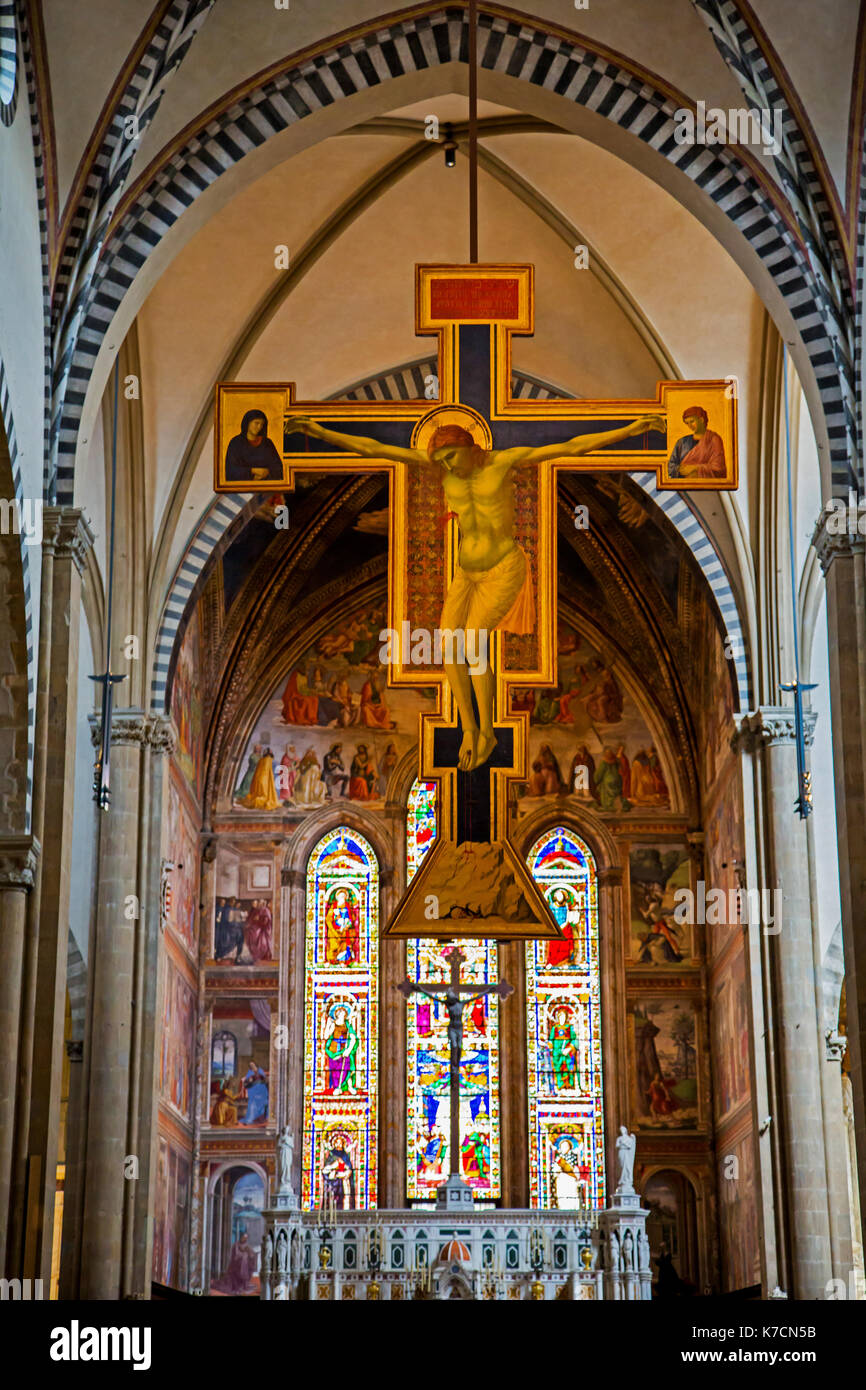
(803,804)
(102,770)
(473,132)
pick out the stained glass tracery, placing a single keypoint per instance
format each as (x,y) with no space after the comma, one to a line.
(341,1022)
(428,1155)
(563,1021)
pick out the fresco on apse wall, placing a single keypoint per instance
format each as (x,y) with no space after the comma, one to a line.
(717,708)
(171,1216)
(243,931)
(244,909)
(240,1063)
(332,730)
(738,1214)
(587,737)
(186,708)
(655,873)
(722,852)
(178,1042)
(237,1275)
(664,1047)
(182,849)
(730,1025)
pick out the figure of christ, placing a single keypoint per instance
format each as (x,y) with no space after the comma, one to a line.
(492,589)
(455,1003)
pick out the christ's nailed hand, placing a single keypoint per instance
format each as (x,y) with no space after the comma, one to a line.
(300,424)
(650,422)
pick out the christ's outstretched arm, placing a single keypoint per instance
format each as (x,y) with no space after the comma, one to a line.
(353,443)
(581,444)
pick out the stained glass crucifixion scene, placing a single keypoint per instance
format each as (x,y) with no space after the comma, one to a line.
(472,592)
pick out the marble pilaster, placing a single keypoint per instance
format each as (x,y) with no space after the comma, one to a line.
(843,560)
(769,734)
(120,1066)
(19,857)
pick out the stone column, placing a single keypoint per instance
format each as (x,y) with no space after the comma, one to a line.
(770,731)
(71,538)
(19,856)
(615,1020)
(843,560)
(147,1011)
(293,928)
(513,1077)
(836,1148)
(122,1007)
(392,1050)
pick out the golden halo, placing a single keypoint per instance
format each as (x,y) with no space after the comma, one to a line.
(462,415)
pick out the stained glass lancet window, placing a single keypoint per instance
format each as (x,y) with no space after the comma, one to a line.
(341,1022)
(563,1021)
(428,1155)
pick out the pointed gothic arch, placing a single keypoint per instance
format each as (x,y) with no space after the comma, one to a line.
(725,186)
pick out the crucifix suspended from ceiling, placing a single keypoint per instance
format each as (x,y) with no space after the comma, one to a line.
(473,476)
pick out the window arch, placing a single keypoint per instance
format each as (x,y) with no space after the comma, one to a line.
(563,1032)
(341,1022)
(428,1155)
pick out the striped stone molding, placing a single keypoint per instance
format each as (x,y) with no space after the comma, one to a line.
(817,226)
(12,442)
(558,63)
(8,62)
(79,273)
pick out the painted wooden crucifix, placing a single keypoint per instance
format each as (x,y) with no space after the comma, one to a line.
(472,578)
(456,996)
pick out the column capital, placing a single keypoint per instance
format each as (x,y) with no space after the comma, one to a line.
(68,534)
(770,725)
(19,857)
(292,878)
(837,533)
(136,726)
(836,1045)
(162,736)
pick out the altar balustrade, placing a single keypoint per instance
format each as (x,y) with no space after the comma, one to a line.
(491,1254)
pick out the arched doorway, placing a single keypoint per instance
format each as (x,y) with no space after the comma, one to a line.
(672,1231)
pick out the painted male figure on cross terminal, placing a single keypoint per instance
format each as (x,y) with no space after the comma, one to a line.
(492,589)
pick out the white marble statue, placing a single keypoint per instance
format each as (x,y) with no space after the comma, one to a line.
(267,1253)
(614,1250)
(643,1251)
(285,1154)
(628,1251)
(282,1253)
(625,1147)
